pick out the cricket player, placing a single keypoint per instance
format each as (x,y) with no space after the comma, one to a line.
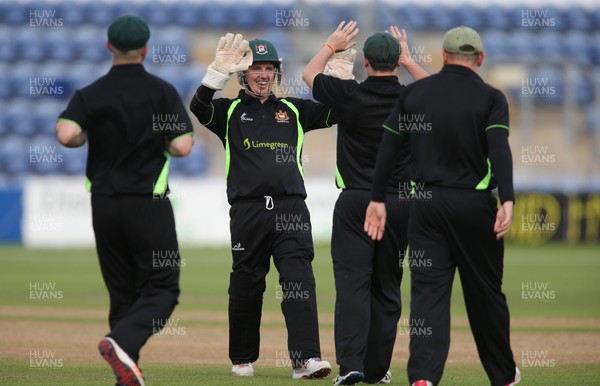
(367,273)
(265,195)
(126,173)
(457,127)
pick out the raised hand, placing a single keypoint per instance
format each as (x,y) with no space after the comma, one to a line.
(341,38)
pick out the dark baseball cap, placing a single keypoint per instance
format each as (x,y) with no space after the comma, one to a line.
(463,40)
(382,49)
(128,33)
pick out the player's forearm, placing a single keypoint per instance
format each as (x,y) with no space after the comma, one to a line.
(69,133)
(181,146)
(76,141)
(316,65)
(501,160)
(415,71)
(386,157)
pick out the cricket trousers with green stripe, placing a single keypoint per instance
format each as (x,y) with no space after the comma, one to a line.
(261,228)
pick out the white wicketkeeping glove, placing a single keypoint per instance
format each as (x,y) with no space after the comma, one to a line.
(341,64)
(233,54)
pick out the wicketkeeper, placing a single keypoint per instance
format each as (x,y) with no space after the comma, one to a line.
(268,214)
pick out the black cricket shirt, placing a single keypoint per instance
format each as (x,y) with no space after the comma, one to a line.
(263,141)
(361,109)
(128,115)
(457,127)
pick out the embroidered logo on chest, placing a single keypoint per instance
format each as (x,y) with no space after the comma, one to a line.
(244,118)
(282,117)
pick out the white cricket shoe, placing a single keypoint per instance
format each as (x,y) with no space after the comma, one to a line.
(352,378)
(387,378)
(517,377)
(243,370)
(313,368)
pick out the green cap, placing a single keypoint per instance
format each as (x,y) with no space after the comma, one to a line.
(263,51)
(382,49)
(463,40)
(128,33)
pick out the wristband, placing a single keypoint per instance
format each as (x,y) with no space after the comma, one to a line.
(331,47)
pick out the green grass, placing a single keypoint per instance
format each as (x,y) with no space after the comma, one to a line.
(17,373)
(571,272)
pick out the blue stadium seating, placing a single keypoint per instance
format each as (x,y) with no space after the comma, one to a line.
(74,160)
(75,55)
(469,15)
(14,155)
(183,14)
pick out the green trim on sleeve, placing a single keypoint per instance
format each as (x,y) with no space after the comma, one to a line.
(88,184)
(485,183)
(212,114)
(160,187)
(390,129)
(227,150)
(69,120)
(497,126)
(327,119)
(338,179)
(300,135)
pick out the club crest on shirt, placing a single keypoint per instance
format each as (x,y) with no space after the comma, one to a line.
(282,116)
(261,49)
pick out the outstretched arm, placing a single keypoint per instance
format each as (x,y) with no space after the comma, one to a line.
(416,72)
(340,40)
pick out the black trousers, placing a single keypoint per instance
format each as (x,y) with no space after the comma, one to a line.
(260,229)
(455,229)
(139,258)
(367,282)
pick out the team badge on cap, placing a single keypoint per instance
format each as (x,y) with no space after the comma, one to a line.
(261,49)
(282,116)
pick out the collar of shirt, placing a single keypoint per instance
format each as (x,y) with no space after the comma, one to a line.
(247,98)
(458,69)
(134,67)
(382,79)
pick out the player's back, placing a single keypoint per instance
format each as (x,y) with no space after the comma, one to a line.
(361,109)
(446,116)
(127,113)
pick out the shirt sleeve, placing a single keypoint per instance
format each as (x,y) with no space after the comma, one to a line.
(392,122)
(332,91)
(498,113)
(182,124)
(387,155)
(75,111)
(499,153)
(314,115)
(211,113)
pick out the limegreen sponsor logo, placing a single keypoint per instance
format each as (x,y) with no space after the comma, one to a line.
(248,143)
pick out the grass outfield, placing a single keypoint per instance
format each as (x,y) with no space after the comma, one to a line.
(16,373)
(560,307)
(569,274)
